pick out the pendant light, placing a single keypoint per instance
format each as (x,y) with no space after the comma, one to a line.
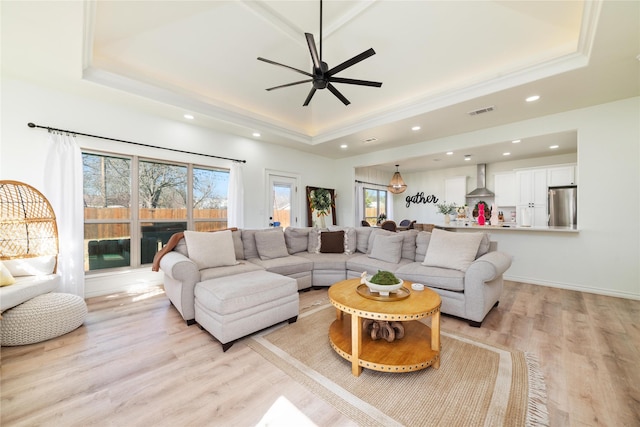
(397,185)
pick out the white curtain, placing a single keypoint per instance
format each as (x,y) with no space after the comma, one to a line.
(235,209)
(390,207)
(359,198)
(63,183)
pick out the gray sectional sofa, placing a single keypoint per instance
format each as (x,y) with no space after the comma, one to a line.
(465,269)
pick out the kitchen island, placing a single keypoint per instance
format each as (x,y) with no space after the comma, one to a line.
(506,227)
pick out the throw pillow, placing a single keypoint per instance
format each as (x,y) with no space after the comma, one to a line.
(210,249)
(271,245)
(332,242)
(485,243)
(313,246)
(237,244)
(452,250)
(422,243)
(387,248)
(376,232)
(6,278)
(350,238)
(37,266)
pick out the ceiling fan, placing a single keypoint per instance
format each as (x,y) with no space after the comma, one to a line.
(323,77)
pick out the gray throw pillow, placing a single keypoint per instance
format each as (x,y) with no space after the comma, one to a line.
(422,243)
(387,248)
(271,245)
(313,245)
(452,250)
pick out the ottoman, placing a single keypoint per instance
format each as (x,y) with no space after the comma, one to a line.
(235,306)
(41,318)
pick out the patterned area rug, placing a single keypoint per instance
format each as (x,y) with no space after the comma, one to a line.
(477,384)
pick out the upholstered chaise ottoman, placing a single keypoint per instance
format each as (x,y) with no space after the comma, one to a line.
(235,306)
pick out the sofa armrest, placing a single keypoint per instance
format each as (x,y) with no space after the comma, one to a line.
(489,266)
(179,267)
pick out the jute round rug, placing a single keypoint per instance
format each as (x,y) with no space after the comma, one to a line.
(477,384)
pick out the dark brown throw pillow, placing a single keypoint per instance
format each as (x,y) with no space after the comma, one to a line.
(332,242)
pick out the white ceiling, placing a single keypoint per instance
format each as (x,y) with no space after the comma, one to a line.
(437,60)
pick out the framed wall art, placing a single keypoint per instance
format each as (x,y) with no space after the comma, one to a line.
(322,207)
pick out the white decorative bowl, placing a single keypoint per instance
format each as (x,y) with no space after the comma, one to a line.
(383,290)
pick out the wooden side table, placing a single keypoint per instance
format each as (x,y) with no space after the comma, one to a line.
(418,349)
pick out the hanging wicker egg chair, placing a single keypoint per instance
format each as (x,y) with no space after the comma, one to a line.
(27,223)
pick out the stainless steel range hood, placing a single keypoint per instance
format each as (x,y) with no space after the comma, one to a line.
(482,190)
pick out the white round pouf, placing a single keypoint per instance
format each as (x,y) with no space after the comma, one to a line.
(41,318)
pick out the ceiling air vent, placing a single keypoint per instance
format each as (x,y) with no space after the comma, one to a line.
(481,111)
(369,140)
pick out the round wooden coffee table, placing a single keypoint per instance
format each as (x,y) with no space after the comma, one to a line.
(418,349)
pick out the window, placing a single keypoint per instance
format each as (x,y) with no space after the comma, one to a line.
(375,204)
(170,198)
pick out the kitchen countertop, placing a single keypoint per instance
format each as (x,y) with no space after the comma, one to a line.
(507,227)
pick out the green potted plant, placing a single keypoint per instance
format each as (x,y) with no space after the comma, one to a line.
(446,209)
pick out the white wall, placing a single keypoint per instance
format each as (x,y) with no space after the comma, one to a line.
(23,153)
(604,257)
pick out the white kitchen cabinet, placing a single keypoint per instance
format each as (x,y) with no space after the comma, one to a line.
(455,190)
(561,175)
(505,189)
(531,186)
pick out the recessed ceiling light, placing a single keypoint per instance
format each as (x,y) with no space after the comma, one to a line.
(415,128)
(553,147)
(343,146)
(506,154)
(449,153)
(188,116)
(533,98)
(467,157)
(256,134)
(515,141)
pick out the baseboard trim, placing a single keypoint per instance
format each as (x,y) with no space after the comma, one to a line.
(573,287)
(96,285)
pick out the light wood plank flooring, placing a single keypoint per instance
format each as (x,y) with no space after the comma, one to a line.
(135,363)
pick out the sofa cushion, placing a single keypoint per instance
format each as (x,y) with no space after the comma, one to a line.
(434,277)
(362,262)
(485,244)
(249,241)
(409,244)
(209,249)
(377,232)
(271,245)
(387,248)
(332,242)
(422,243)
(229,270)
(452,250)
(286,266)
(243,291)
(27,287)
(6,278)
(350,238)
(37,266)
(237,244)
(327,261)
(362,238)
(297,239)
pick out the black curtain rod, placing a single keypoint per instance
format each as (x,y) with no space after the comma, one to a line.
(31,125)
(371,183)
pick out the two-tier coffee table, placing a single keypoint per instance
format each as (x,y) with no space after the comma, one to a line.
(418,349)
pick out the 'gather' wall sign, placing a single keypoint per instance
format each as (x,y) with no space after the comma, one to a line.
(421,198)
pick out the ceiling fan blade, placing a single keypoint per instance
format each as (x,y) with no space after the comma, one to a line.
(268,61)
(312,50)
(349,62)
(337,93)
(355,82)
(290,84)
(308,100)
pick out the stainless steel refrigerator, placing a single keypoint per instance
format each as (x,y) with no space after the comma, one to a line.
(563,206)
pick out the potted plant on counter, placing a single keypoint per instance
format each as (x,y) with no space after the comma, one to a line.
(446,209)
